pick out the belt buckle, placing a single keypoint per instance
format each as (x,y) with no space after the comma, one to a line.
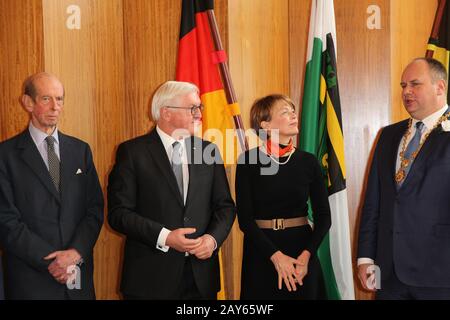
(278,224)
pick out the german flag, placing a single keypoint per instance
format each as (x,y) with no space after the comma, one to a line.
(439,44)
(198,63)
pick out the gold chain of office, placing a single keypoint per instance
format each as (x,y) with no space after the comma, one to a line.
(405,162)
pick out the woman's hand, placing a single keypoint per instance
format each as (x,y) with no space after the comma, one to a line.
(301,269)
(285,267)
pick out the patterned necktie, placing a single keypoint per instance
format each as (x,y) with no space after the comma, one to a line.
(53,162)
(177,165)
(413,145)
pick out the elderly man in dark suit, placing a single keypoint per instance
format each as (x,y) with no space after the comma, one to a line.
(51,203)
(168,193)
(405,224)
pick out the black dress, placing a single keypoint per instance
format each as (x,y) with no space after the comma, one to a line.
(281,195)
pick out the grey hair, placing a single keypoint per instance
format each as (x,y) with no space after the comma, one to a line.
(29,86)
(167,92)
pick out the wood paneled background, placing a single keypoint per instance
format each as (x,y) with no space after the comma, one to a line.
(21,54)
(125,48)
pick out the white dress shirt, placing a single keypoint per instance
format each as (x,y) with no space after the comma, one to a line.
(168,142)
(428,125)
(38,137)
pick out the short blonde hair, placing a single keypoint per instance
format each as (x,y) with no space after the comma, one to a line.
(167,92)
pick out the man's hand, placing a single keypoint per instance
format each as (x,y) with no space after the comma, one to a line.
(177,240)
(364,276)
(61,262)
(206,247)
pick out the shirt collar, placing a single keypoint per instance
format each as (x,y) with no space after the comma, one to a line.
(432,119)
(39,136)
(168,140)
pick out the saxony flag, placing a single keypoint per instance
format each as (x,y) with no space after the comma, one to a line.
(321,134)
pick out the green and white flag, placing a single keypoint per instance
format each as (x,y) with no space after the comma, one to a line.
(321,134)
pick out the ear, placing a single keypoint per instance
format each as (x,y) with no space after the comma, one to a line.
(441,88)
(164,114)
(27,102)
(265,125)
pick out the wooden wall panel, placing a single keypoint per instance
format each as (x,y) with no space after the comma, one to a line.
(299,14)
(259,64)
(90,63)
(411,23)
(21,54)
(150,33)
(364,80)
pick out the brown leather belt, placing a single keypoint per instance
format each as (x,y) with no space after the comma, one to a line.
(280,224)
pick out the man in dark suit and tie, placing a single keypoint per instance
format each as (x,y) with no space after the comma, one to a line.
(168,193)
(405,224)
(51,203)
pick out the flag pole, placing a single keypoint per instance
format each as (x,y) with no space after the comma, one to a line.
(226,79)
(436,26)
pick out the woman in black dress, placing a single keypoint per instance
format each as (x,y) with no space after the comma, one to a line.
(273,185)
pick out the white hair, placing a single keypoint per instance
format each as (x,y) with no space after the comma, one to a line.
(167,92)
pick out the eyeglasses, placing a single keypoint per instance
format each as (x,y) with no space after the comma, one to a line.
(193,109)
(45,100)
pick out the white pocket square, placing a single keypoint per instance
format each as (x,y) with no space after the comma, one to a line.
(79,171)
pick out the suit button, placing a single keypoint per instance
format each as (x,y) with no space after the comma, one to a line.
(186,219)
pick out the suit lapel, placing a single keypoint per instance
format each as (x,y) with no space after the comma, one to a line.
(68,163)
(398,133)
(157,152)
(32,157)
(191,149)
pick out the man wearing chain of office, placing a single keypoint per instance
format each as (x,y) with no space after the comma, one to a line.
(405,223)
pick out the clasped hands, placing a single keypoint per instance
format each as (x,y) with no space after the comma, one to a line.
(290,271)
(201,247)
(59,268)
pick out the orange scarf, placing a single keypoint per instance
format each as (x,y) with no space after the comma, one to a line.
(277,151)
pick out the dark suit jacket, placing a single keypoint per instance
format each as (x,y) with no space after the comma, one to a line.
(36,220)
(2,292)
(143,197)
(409,229)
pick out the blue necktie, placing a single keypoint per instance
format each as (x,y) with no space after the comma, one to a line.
(415,141)
(177,166)
(413,146)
